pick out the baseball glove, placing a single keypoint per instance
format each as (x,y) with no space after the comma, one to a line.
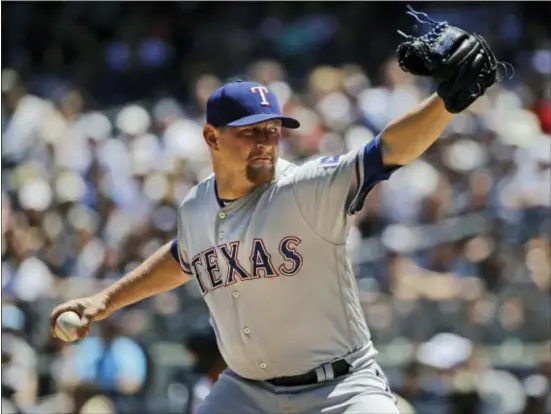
(461,63)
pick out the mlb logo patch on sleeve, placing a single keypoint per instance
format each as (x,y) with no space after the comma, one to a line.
(329,161)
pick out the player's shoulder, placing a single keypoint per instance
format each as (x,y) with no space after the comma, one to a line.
(284,168)
(285,172)
(198,193)
(322,162)
(311,167)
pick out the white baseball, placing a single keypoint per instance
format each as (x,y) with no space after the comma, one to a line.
(66,326)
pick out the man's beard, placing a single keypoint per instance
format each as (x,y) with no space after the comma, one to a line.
(261,174)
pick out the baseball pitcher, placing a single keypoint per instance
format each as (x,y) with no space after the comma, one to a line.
(265,241)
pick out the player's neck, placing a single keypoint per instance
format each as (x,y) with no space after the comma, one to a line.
(232,186)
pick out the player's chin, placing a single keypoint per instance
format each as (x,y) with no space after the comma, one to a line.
(260,173)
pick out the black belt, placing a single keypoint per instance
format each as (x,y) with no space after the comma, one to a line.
(324,373)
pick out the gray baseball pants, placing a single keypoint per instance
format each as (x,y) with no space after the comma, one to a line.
(362,391)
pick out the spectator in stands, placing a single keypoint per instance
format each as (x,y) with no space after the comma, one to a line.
(115,363)
(19,361)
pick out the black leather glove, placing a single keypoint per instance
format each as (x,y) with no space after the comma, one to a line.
(461,63)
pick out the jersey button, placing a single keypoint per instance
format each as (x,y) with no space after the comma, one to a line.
(222,215)
(263,365)
(235,294)
(246,331)
(221,235)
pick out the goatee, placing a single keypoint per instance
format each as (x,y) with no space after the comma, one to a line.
(260,175)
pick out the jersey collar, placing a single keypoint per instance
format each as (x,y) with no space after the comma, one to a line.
(227,205)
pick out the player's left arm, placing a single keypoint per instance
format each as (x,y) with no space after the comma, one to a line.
(331,190)
(409,136)
(402,141)
(463,67)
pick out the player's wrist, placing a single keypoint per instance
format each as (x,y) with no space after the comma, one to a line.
(442,104)
(103,301)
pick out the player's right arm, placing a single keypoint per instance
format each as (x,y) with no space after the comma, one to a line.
(159,273)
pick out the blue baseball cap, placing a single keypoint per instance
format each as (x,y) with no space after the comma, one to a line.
(242,103)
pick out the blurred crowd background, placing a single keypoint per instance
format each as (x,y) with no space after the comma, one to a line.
(102,112)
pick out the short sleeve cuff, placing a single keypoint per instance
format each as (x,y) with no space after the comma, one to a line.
(369,170)
(175,251)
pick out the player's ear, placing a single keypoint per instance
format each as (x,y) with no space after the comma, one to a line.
(211,136)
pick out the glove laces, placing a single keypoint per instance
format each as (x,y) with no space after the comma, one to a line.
(436,27)
(504,70)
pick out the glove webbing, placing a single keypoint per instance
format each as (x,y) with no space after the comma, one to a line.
(438,27)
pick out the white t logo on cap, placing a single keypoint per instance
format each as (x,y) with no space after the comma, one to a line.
(263,92)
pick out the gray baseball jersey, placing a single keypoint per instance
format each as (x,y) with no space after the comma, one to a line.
(273,266)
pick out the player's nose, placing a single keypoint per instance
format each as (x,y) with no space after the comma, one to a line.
(262,138)
(263,141)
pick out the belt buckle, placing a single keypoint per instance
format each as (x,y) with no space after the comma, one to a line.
(325,372)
